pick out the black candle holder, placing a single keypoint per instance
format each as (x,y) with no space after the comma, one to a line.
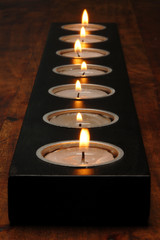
(115,193)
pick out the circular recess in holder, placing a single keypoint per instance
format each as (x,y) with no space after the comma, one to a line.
(68,153)
(88,91)
(76,71)
(90,38)
(80,118)
(89,27)
(84,54)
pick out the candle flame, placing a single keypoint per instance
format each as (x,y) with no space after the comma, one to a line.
(83,32)
(79,117)
(84,66)
(85,18)
(77,46)
(84,138)
(78,86)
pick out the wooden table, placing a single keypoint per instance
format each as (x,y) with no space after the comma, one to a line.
(24,25)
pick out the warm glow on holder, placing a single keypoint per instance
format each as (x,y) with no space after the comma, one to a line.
(85,18)
(84,138)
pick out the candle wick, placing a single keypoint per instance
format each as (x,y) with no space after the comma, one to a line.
(82,40)
(83,158)
(83,73)
(80,125)
(78,95)
(78,54)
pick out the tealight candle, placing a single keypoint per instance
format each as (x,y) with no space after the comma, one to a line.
(84,53)
(84,38)
(90,38)
(88,26)
(78,70)
(87,91)
(71,154)
(90,118)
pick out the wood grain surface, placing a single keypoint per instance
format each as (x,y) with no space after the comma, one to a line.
(24,26)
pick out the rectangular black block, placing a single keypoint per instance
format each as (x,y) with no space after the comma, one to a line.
(117,193)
